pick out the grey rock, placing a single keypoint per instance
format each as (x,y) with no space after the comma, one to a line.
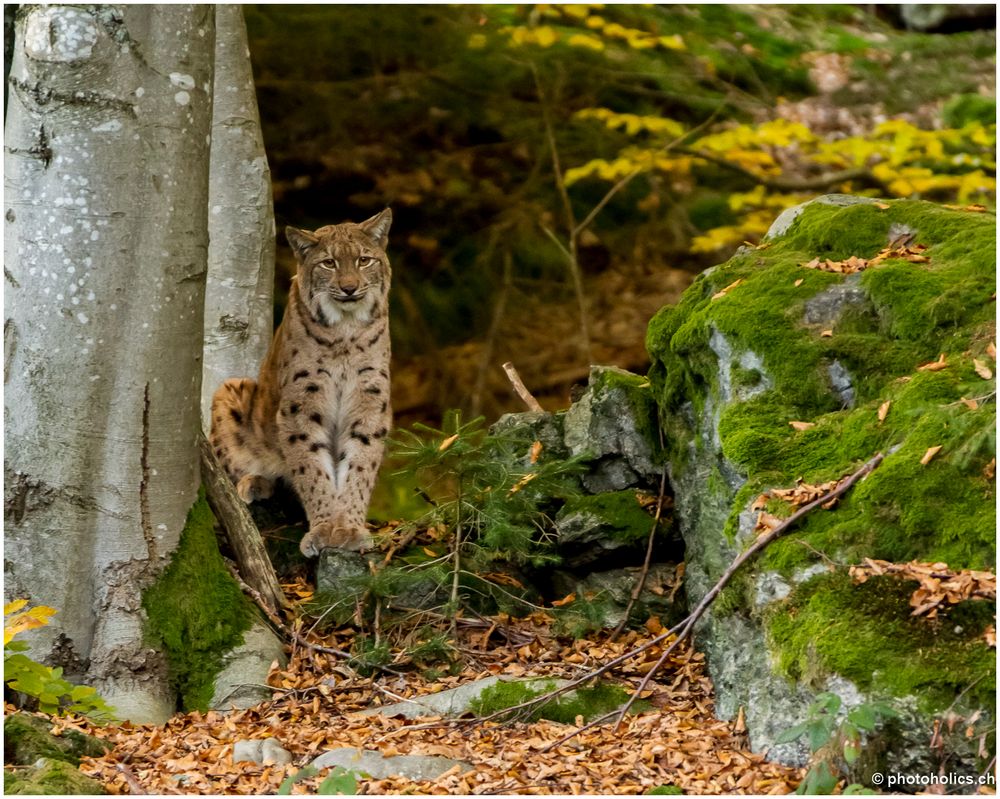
(933,16)
(537,426)
(786,218)
(242,681)
(827,307)
(375,766)
(604,422)
(454,702)
(841,383)
(338,569)
(450,704)
(609,474)
(262,751)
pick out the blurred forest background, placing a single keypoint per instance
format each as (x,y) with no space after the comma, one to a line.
(559,173)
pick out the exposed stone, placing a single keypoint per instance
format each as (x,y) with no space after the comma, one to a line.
(536,426)
(372,764)
(781,225)
(613,588)
(266,751)
(337,570)
(242,681)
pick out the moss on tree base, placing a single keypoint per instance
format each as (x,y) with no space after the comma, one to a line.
(196,610)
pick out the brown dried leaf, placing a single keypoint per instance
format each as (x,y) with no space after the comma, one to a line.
(448,442)
(882,206)
(929,455)
(727,289)
(990,469)
(799,282)
(971,404)
(982,369)
(883,410)
(826,334)
(800,426)
(536,451)
(991,350)
(935,366)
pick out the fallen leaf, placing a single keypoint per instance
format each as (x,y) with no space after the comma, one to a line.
(558,603)
(727,289)
(802,425)
(883,410)
(982,369)
(991,350)
(934,366)
(929,455)
(881,206)
(826,334)
(990,469)
(799,282)
(971,404)
(536,451)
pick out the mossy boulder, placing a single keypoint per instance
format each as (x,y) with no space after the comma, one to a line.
(27,738)
(50,778)
(786,343)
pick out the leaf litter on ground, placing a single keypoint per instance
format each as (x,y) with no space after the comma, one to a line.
(315,703)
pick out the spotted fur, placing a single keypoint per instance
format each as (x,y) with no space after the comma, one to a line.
(318,413)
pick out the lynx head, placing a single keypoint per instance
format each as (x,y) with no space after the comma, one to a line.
(343,269)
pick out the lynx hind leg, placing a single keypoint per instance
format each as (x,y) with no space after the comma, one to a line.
(235,443)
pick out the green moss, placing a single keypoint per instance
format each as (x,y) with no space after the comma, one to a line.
(590,703)
(665,790)
(618,512)
(909,313)
(965,108)
(52,778)
(196,611)
(27,738)
(866,633)
(632,396)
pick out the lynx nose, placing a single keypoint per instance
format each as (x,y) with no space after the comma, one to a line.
(348,289)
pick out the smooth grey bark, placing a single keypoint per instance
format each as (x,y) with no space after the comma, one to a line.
(239,295)
(106,190)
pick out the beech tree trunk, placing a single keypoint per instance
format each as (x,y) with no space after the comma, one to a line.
(239,295)
(106,193)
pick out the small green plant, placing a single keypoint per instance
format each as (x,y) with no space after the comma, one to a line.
(42,683)
(339,782)
(834,741)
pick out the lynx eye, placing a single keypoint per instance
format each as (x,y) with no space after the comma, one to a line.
(365,261)
(327,263)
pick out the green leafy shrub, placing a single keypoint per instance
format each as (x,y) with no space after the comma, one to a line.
(44,684)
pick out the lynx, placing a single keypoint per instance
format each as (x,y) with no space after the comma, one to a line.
(318,413)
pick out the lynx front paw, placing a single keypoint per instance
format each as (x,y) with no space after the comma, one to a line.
(252,487)
(328,535)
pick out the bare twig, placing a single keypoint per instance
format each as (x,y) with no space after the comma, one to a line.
(520,389)
(293,635)
(134,786)
(641,581)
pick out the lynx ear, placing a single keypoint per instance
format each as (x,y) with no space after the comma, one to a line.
(301,240)
(378,227)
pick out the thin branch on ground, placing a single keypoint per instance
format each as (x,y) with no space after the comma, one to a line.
(134,786)
(683,630)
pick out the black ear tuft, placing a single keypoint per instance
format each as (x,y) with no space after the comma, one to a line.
(301,240)
(378,227)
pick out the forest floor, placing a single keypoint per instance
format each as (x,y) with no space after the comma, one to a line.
(314,707)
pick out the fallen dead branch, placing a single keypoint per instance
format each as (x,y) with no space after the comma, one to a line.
(520,388)
(684,629)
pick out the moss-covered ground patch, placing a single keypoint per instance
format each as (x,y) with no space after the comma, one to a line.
(50,778)
(866,634)
(196,611)
(589,702)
